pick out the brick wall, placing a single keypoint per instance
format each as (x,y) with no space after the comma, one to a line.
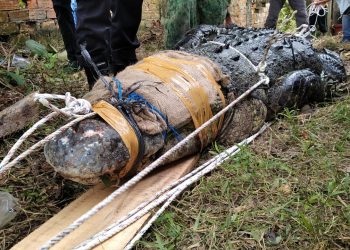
(39,14)
(242,14)
(249,13)
(26,17)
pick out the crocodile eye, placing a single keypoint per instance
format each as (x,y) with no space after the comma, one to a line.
(195,44)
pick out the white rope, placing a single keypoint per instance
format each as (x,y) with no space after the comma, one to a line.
(74,107)
(162,159)
(169,187)
(79,108)
(41,143)
(77,223)
(169,194)
(302,31)
(263,80)
(256,69)
(315,9)
(19,142)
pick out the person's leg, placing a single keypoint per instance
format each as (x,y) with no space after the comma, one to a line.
(312,20)
(126,19)
(94,20)
(300,7)
(322,21)
(274,11)
(346,28)
(67,28)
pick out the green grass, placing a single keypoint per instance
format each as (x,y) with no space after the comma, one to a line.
(290,190)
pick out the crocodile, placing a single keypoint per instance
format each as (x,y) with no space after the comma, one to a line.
(299,74)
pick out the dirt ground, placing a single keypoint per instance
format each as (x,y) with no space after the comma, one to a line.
(41,193)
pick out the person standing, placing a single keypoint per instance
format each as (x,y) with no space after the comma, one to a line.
(344,7)
(318,15)
(66,25)
(108,30)
(277,5)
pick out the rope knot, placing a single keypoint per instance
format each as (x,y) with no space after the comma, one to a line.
(77,106)
(74,107)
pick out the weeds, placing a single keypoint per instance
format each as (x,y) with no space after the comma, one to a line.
(290,190)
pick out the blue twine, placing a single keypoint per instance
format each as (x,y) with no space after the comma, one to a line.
(140,99)
(120,88)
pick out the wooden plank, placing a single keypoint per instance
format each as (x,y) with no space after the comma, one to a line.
(120,241)
(110,214)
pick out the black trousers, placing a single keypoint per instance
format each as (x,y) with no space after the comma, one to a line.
(320,21)
(108,28)
(67,28)
(277,5)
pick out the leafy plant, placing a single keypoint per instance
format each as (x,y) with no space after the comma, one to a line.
(286,11)
(15,77)
(22,4)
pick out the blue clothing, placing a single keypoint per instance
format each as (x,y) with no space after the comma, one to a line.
(343,5)
(73,5)
(346,28)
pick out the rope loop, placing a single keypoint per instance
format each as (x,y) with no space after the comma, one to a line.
(74,107)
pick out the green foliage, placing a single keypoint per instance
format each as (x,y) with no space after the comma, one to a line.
(212,11)
(51,61)
(22,4)
(286,12)
(16,77)
(183,15)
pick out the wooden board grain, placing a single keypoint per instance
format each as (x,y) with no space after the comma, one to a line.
(108,215)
